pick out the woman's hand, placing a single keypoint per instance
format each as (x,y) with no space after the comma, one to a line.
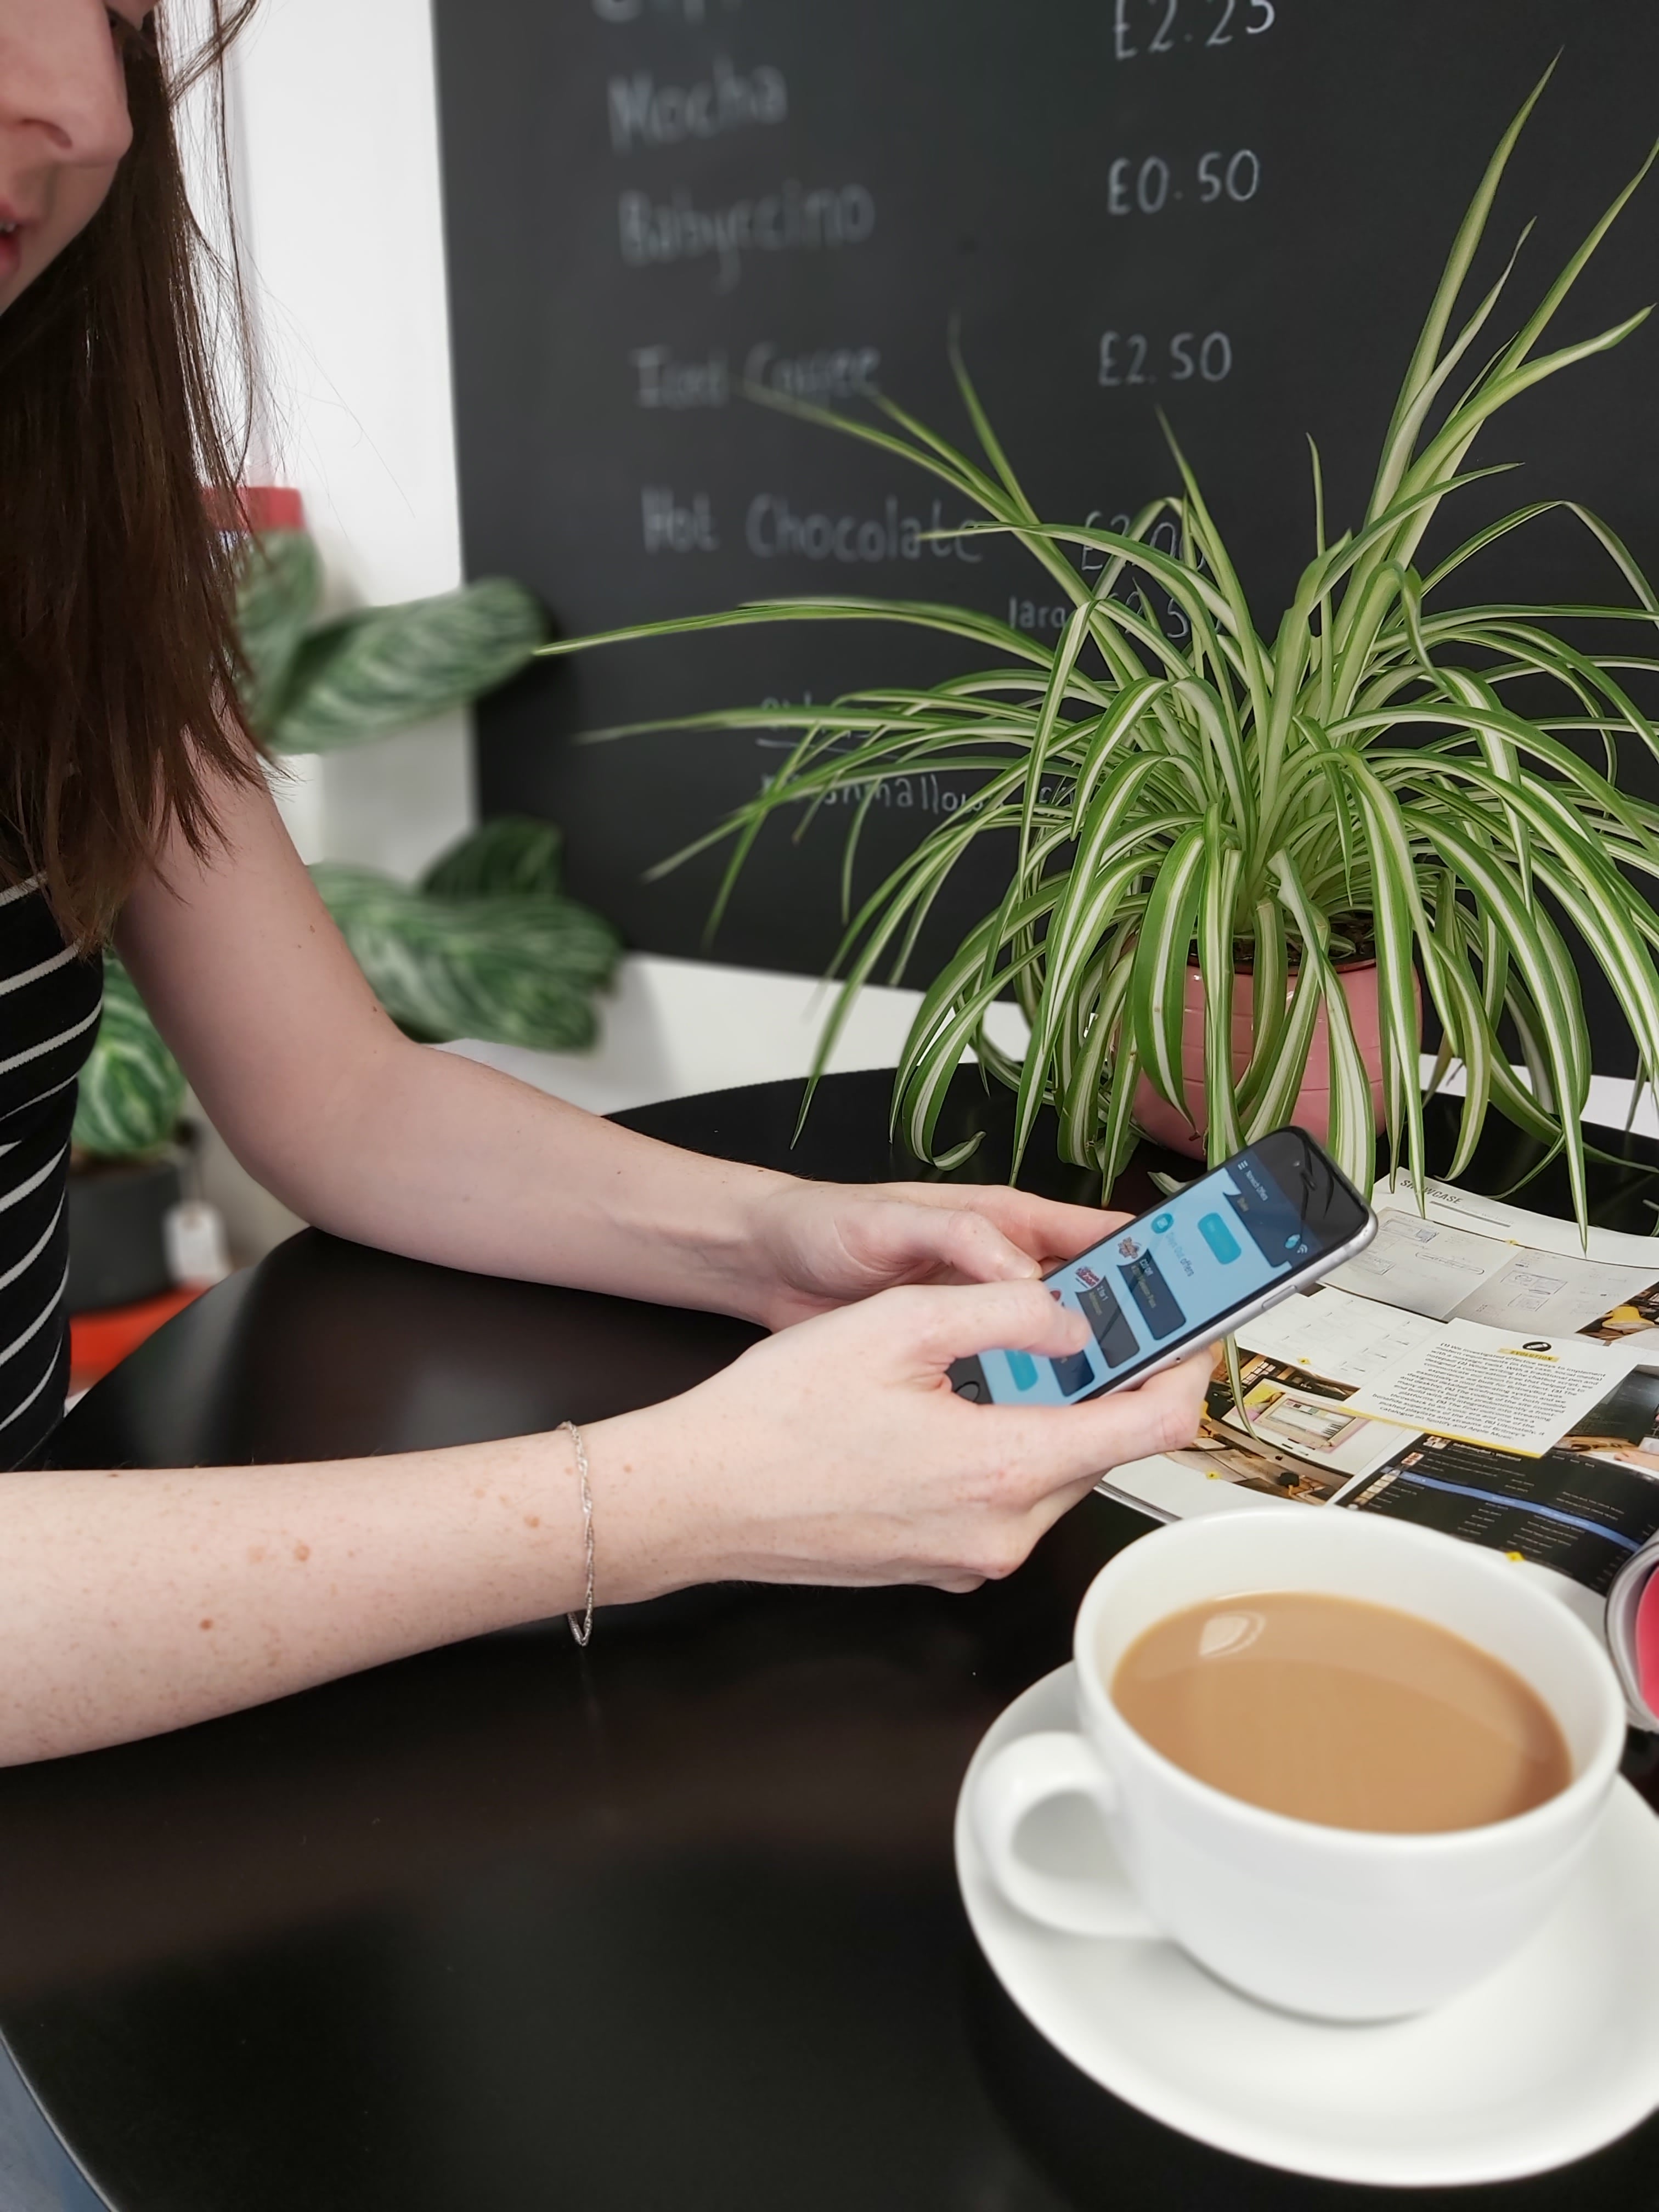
(819,1245)
(837,1452)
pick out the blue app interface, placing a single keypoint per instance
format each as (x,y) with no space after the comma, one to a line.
(1160,1281)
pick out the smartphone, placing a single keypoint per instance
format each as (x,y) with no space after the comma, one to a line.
(1271,1220)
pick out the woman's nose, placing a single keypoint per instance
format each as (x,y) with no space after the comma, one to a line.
(63,92)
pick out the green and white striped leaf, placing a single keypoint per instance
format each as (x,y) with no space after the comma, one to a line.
(1223,864)
(1157,988)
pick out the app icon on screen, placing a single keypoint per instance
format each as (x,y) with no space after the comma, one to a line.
(1219,1238)
(1073,1374)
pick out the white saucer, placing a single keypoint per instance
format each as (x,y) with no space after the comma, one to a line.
(1554,2057)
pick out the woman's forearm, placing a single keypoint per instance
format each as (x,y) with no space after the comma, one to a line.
(833,1452)
(425,1153)
(142,1601)
(528,1186)
(393,1144)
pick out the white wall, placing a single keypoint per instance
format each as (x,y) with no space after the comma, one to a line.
(334,123)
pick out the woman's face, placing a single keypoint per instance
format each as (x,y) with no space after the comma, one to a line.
(63,124)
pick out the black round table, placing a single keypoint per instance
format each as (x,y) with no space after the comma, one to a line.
(671,1926)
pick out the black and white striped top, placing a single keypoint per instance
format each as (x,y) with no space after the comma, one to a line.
(50,1002)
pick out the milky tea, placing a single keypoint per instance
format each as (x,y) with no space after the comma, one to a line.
(1335,1711)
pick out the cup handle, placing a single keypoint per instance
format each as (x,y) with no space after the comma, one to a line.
(1013,1783)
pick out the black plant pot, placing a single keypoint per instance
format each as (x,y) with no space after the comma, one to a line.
(118,1249)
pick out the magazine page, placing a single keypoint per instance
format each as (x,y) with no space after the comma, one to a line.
(1552,1458)
(1486,1261)
(1581,1511)
(1515,1225)
(1521,1391)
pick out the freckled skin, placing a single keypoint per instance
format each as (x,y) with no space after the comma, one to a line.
(207,1624)
(302,1552)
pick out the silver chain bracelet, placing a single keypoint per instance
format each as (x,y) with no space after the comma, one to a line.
(583,1629)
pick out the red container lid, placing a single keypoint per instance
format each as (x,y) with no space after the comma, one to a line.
(1647,1641)
(257,506)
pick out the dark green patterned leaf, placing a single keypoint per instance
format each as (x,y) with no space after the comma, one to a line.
(280,579)
(515,854)
(387,668)
(514,971)
(132,1088)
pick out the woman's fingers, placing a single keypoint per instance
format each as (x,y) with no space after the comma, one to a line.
(1161,1415)
(1041,1228)
(900,1239)
(953,1320)
(835,1452)
(990,1233)
(1052,1446)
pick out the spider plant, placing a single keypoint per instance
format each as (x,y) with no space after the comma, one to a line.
(1363,779)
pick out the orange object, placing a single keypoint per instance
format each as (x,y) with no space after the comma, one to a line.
(99,1341)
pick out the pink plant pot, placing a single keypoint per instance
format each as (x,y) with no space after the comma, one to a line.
(1185,1132)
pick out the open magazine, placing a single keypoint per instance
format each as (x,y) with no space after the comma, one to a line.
(1475,1370)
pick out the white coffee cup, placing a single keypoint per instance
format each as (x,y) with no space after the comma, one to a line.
(1338,1922)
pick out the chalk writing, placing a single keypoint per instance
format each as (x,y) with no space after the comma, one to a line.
(645,113)
(775,532)
(1149,186)
(1035,614)
(662,381)
(1129,357)
(689,11)
(843,372)
(1164,26)
(920,794)
(790,220)
(672,527)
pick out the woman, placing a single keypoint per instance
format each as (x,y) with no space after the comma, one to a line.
(133,800)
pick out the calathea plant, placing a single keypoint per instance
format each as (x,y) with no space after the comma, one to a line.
(486,944)
(1374,775)
(132,1088)
(315,687)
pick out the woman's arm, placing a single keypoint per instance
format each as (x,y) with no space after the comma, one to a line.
(422,1152)
(835,1452)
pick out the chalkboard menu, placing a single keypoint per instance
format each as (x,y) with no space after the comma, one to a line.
(1234,209)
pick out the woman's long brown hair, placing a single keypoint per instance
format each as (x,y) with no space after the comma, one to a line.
(117,645)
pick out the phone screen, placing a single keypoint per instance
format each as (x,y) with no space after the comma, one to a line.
(1270,1214)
